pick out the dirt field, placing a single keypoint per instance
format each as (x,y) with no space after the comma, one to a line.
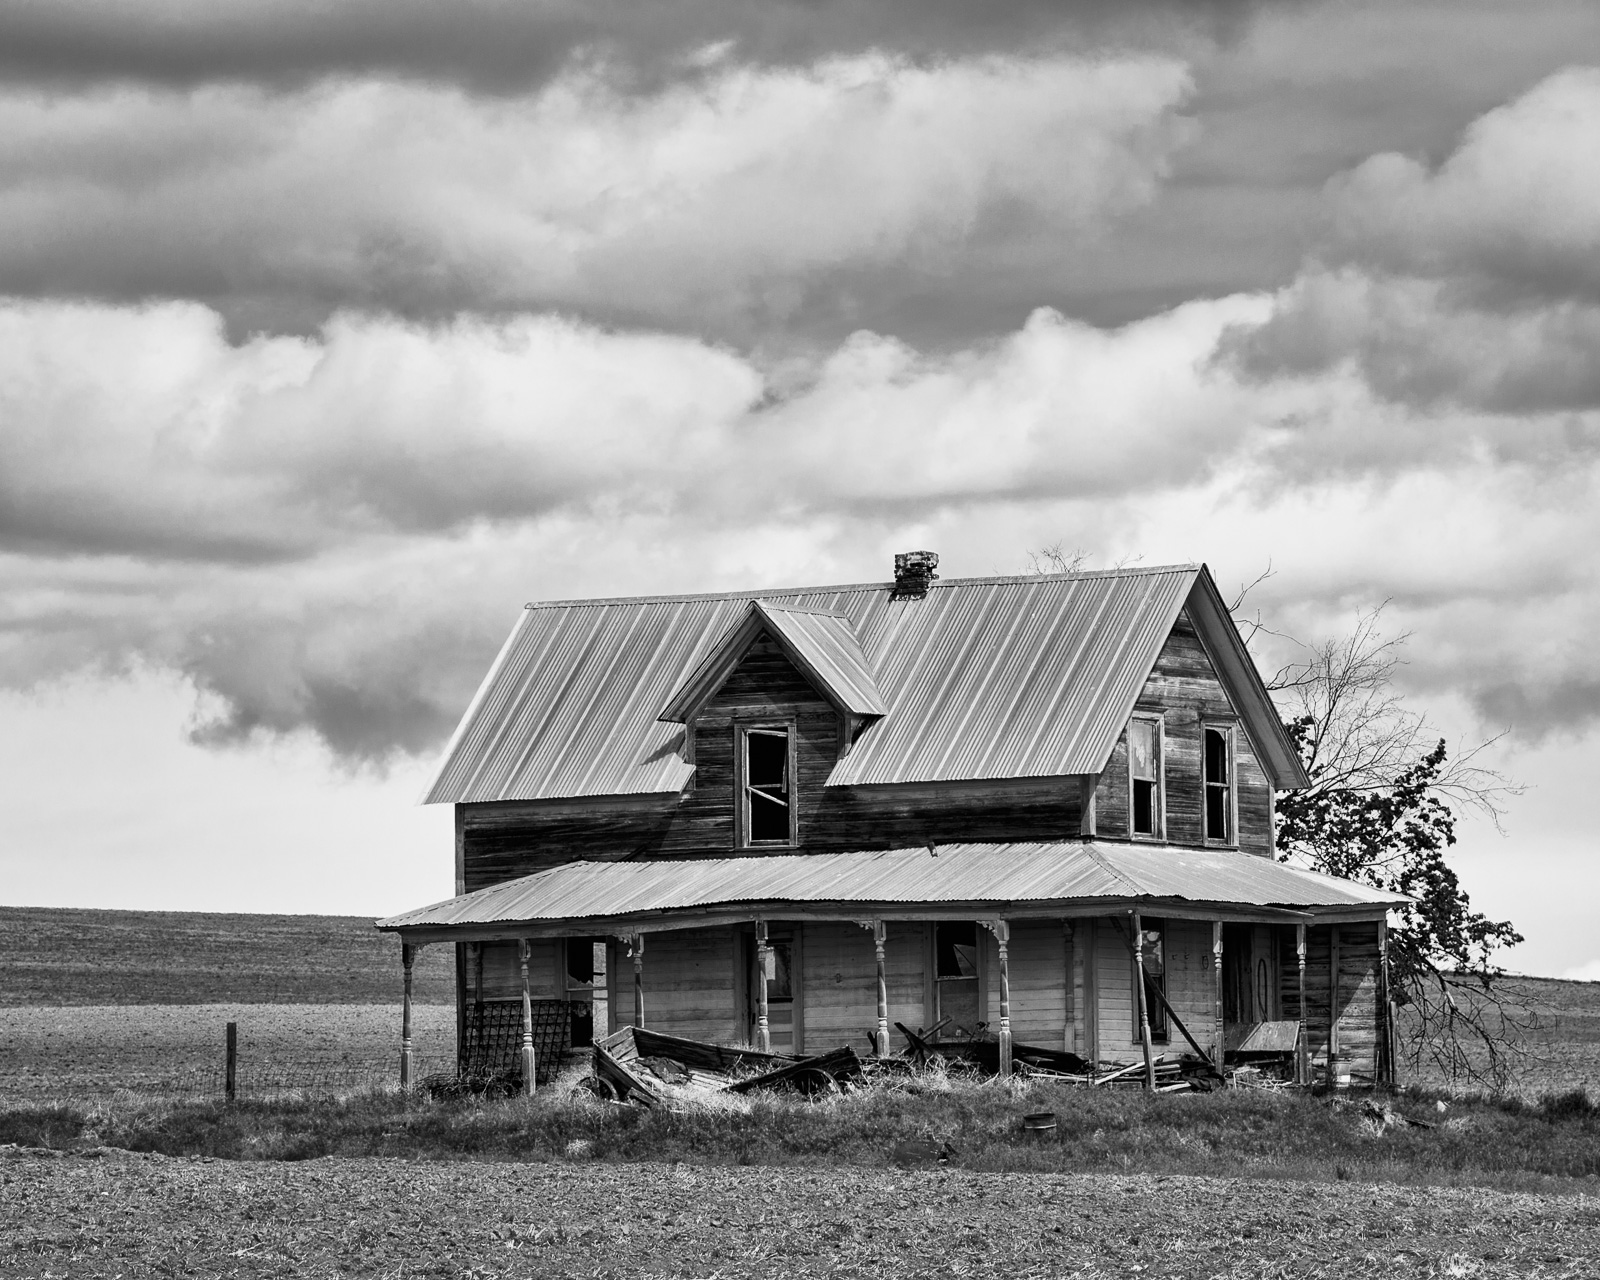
(141,1215)
(91,1051)
(54,956)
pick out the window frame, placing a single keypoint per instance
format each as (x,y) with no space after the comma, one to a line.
(741,762)
(1158,832)
(1230,734)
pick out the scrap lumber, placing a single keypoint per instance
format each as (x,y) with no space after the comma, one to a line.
(837,1064)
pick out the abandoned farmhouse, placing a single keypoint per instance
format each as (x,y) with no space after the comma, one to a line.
(793,819)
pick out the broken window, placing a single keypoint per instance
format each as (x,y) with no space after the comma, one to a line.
(768,798)
(1144,769)
(1219,784)
(1155,977)
(955,948)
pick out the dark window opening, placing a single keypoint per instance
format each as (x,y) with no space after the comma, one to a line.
(1219,785)
(1144,768)
(586,976)
(766,785)
(957,947)
(780,982)
(1155,976)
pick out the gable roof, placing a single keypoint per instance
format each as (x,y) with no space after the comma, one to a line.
(822,645)
(1001,677)
(1019,873)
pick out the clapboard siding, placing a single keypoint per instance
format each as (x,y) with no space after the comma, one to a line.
(1192,983)
(501,967)
(1357,999)
(690,984)
(1037,956)
(1114,994)
(1184,690)
(840,978)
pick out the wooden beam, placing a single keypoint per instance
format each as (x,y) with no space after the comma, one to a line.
(1144,1008)
(528,1064)
(1069,1036)
(1302,1060)
(408,957)
(763,959)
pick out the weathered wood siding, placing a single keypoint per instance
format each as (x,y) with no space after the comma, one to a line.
(690,986)
(1115,1012)
(1191,983)
(502,972)
(839,976)
(1038,963)
(1356,1001)
(1184,690)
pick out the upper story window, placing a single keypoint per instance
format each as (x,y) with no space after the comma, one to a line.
(1144,776)
(1219,783)
(766,784)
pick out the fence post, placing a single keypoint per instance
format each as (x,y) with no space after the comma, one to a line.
(230,1083)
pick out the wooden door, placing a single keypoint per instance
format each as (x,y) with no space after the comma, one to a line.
(956,972)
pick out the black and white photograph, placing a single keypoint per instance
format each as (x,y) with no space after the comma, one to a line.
(800,638)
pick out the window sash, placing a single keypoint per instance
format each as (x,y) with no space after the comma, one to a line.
(1220,800)
(1145,772)
(769,802)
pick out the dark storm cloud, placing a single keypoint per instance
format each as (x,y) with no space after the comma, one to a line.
(507,46)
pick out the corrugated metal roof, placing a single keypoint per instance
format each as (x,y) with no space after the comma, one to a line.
(982,678)
(829,652)
(967,873)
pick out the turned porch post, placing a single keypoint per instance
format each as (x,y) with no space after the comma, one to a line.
(638,979)
(1216,976)
(1302,1060)
(763,959)
(1144,1008)
(525,948)
(879,937)
(408,956)
(1002,936)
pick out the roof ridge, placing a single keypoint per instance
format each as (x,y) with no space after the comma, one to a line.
(942,584)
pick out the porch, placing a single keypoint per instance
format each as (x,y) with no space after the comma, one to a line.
(799,954)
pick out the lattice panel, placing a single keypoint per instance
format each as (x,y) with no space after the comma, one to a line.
(491,1041)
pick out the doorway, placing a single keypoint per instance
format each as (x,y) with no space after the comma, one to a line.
(783,981)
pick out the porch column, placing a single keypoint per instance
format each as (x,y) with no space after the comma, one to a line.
(1144,1008)
(1216,976)
(408,956)
(637,947)
(1002,936)
(1302,1060)
(1386,1073)
(880,935)
(524,949)
(763,959)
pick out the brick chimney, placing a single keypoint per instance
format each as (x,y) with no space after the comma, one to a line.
(913,571)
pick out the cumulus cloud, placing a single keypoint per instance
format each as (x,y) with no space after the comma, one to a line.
(729,195)
(1472,286)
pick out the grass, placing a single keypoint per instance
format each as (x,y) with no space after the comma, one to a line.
(1509,1145)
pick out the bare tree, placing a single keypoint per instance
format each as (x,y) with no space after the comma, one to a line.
(1381,809)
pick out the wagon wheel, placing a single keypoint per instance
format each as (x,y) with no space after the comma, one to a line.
(602,1089)
(814,1082)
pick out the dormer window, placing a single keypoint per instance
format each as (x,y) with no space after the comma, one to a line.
(766,784)
(1144,777)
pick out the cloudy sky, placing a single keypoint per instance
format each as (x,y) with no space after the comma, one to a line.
(330,333)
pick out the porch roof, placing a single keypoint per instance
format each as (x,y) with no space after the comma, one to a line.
(1033,873)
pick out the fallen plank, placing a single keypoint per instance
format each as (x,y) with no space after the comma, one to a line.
(837,1064)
